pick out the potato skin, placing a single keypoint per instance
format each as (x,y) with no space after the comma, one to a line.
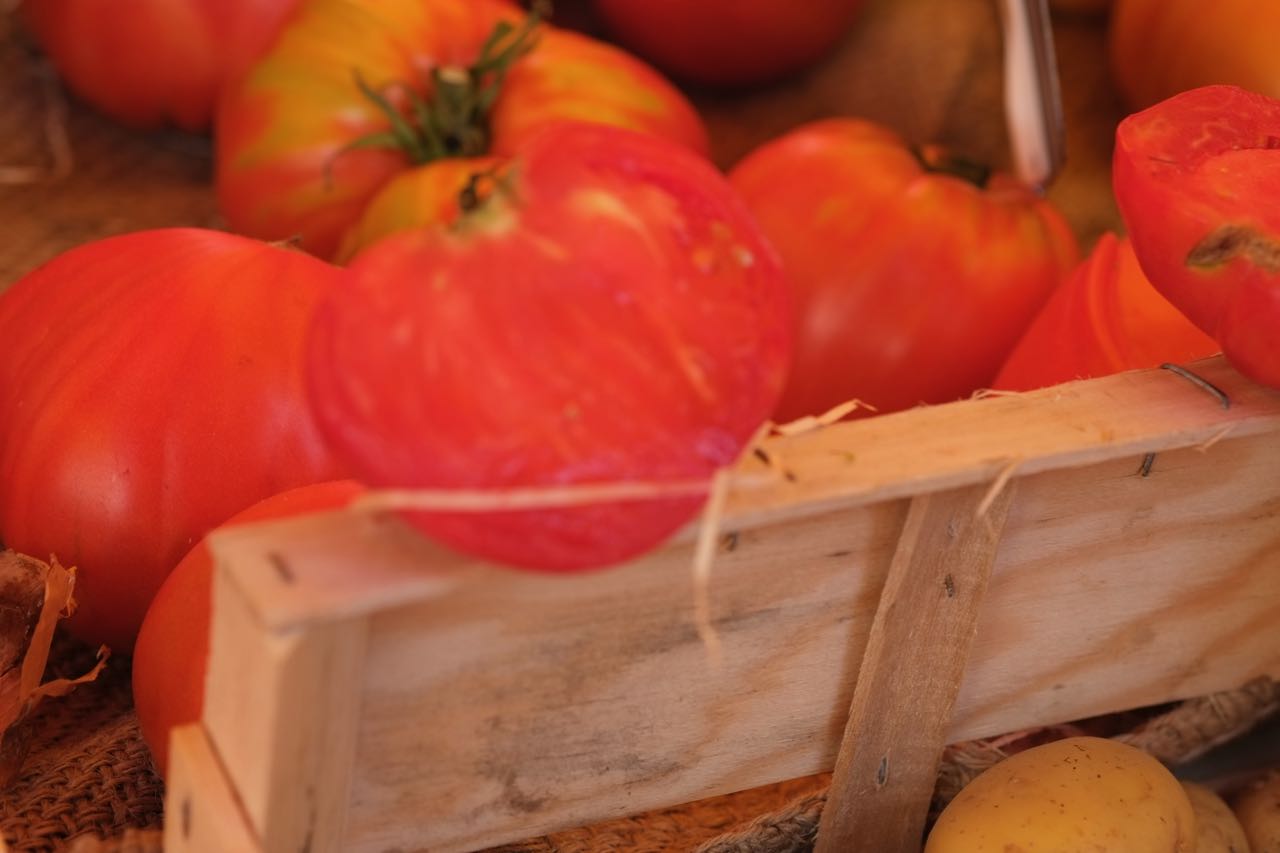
(1217,829)
(1258,809)
(1081,793)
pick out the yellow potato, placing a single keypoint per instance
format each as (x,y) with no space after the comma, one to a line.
(1258,809)
(1217,830)
(1078,794)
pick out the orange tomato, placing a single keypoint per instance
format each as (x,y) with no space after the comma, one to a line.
(172,653)
(910,284)
(1107,318)
(303,144)
(1162,47)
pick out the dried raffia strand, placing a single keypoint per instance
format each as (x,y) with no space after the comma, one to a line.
(997,486)
(20,687)
(703,557)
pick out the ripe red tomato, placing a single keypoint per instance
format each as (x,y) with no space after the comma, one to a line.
(159,61)
(172,653)
(729,42)
(1161,47)
(1196,178)
(910,285)
(610,313)
(285,162)
(150,387)
(1106,319)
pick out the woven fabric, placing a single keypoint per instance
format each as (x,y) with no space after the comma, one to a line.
(88,772)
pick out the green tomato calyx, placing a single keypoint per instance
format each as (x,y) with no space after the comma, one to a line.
(453,119)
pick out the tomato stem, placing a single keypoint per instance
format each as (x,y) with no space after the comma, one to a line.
(934,158)
(453,120)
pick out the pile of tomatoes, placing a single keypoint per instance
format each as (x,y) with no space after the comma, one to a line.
(470,249)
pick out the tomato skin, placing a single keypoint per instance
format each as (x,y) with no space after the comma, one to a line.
(281,170)
(729,42)
(1106,318)
(150,387)
(909,286)
(161,62)
(172,652)
(1159,48)
(616,316)
(1196,181)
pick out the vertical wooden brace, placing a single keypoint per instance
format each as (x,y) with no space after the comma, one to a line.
(911,670)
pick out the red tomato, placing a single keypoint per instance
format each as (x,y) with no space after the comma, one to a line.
(610,313)
(1106,319)
(730,42)
(1162,47)
(910,285)
(159,61)
(285,165)
(172,653)
(150,387)
(1197,177)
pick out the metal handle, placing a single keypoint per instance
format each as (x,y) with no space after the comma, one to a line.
(1033,99)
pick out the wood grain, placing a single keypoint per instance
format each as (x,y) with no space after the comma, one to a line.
(501,704)
(202,808)
(911,671)
(281,711)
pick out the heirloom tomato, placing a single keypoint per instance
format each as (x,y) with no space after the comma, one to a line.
(1197,177)
(151,62)
(151,386)
(354,94)
(729,42)
(171,655)
(910,284)
(1162,47)
(1107,318)
(609,312)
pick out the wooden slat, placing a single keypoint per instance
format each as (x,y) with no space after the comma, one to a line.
(202,812)
(911,671)
(846,465)
(282,711)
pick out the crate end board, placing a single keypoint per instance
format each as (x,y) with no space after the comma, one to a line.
(843,465)
(494,705)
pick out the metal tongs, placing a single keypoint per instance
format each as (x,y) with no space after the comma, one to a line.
(1032,96)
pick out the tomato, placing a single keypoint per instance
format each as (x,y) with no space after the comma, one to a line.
(162,61)
(172,653)
(289,157)
(910,284)
(609,313)
(1161,47)
(151,386)
(1196,178)
(1106,319)
(729,42)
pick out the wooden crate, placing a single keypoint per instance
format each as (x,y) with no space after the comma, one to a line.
(893,584)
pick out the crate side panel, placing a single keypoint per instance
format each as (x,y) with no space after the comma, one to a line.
(1115,590)
(535,703)
(520,704)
